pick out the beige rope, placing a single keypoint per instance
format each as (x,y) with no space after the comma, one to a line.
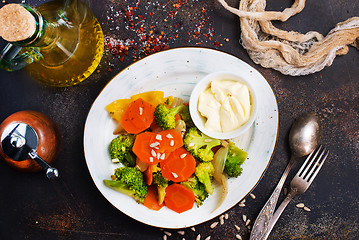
(290,52)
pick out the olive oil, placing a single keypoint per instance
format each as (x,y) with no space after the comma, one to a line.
(76,51)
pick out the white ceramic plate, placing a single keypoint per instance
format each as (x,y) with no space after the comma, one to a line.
(176,72)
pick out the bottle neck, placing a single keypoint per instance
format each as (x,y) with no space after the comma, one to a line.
(44,34)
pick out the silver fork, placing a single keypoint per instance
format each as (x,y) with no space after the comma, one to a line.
(301,181)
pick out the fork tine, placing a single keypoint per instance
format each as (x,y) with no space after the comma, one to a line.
(304,168)
(314,163)
(322,158)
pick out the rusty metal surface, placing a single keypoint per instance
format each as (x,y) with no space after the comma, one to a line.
(31,207)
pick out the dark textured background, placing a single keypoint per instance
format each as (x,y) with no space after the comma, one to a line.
(32,207)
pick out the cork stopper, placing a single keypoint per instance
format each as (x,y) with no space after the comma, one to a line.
(16,23)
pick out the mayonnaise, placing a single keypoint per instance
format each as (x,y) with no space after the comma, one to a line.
(225,104)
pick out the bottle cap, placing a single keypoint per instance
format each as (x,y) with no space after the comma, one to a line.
(16,23)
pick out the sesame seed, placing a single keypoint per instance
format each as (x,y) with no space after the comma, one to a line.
(155,144)
(172,143)
(153,153)
(208,238)
(241,205)
(221,219)
(213,225)
(167,233)
(183,155)
(158,137)
(300,205)
(243,201)
(226,216)
(151,159)
(115,160)
(207,140)
(193,229)
(181,232)
(237,227)
(169,136)
(238,237)
(244,217)
(306,209)
(158,156)
(252,196)
(164,237)
(198,237)
(247,222)
(190,144)
(174,175)
(163,156)
(141,111)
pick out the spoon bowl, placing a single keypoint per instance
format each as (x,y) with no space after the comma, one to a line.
(305,134)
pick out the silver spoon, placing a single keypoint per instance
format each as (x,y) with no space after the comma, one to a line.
(304,136)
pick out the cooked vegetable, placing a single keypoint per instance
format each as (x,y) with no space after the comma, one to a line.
(185,114)
(121,148)
(200,145)
(234,160)
(138,116)
(204,173)
(129,180)
(179,198)
(165,116)
(218,163)
(197,188)
(148,175)
(152,147)
(142,148)
(166,141)
(162,184)
(118,107)
(151,199)
(179,166)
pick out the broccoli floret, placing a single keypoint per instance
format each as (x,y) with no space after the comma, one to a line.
(166,117)
(204,172)
(197,188)
(121,148)
(129,180)
(200,145)
(185,115)
(235,158)
(162,184)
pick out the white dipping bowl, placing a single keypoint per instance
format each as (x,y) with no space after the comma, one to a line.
(200,121)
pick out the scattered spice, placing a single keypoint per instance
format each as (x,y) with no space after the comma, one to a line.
(150,29)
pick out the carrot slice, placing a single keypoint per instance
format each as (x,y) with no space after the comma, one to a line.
(179,198)
(138,116)
(168,140)
(151,199)
(147,175)
(141,148)
(179,166)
